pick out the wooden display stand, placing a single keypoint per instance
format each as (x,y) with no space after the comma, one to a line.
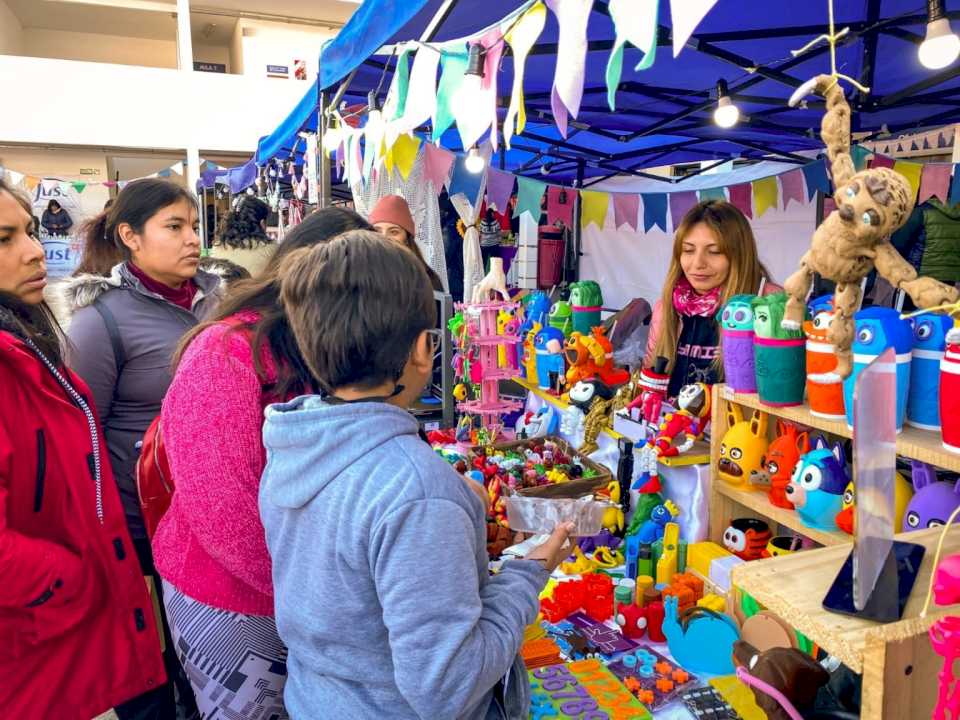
(896,660)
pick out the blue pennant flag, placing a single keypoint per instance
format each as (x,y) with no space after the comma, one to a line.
(654,211)
(815,174)
(464,182)
(955,188)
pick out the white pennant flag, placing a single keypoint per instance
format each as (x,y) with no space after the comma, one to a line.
(422,91)
(178,168)
(686,15)
(15,177)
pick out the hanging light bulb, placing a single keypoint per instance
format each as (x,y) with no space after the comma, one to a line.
(374,114)
(941,46)
(475,162)
(332,136)
(469,99)
(727,114)
(546,168)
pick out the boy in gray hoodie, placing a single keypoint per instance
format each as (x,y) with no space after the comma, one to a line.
(379,547)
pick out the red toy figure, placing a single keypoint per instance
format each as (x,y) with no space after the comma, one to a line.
(747,538)
(654,382)
(632,620)
(655,622)
(778,464)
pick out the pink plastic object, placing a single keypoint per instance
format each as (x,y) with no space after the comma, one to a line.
(945,637)
(654,392)
(770,690)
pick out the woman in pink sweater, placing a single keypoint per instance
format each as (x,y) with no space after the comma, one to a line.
(209,547)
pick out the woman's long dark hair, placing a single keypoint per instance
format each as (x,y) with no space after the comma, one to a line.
(33,322)
(261,295)
(135,205)
(242,227)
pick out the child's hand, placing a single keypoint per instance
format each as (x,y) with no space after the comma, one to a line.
(556,549)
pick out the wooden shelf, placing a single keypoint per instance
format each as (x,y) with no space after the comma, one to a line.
(761,505)
(912,443)
(898,665)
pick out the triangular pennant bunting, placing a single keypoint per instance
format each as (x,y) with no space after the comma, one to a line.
(593,208)
(636,23)
(791,186)
(654,211)
(529,197)
(880,161)
(499,188)
(859,154)
(522,37)
(79,186)
(463,182)
(764,194)
(741,197)
(955,186)
(911,171)
(686,15)
(453,60)
(560,205)
(935,182)
(437,163)
(572,16)
(815,175)
(716,193)
(680,204)
(626,209)
(421,102)
(404,153)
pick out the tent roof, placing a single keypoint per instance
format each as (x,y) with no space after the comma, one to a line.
(664,114)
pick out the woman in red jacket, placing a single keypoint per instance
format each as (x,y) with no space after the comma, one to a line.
(77,629)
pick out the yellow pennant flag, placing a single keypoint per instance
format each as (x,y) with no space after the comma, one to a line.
(764,194)
(522,37)
(388,159)
(31,183)
(594,206)
(404,154)
(911,171)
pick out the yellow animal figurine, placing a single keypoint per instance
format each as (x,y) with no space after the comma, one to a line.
(530,354)
(743,447)
(581,565)
(503,319)
(613,516)
(557,476)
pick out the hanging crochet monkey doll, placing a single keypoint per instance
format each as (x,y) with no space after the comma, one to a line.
(855,238)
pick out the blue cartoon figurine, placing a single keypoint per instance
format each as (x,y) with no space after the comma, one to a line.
(548,345)
(816,488)
(652,529)
(536,309)
(878,328)
(703,641)
(929,343)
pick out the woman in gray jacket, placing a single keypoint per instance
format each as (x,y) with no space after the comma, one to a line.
(123,333)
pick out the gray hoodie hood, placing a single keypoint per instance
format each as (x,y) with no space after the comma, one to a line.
(83,290)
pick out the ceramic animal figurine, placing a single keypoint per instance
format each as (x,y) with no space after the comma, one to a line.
(543,422)
(779,354)
(824,388)
(536,310)
(702,640)
(933,500)
(743,445)
(816,488)
(855,238)
(736,333)
(586,301)
(595,399)
(548,349)
(632,620)
(747,538)
(879,328)
(779,461)
(592,355)
(929,344)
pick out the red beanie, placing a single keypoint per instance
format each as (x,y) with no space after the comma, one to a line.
(393,209)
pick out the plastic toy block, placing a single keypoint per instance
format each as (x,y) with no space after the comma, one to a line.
(701,554)
(645,657)
(599,608)
(712,602)
(664,685)
(633,685)
(646,697)
(663,668)
(720,570)
(680,676)
(667,563)
(645,671)
(630,661)
(685,596)
(691,581)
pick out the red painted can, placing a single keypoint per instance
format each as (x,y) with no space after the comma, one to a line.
(950,392)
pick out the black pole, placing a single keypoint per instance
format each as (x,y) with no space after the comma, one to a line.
(577,220)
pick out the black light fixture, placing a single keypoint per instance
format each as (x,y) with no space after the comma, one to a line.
(476,60)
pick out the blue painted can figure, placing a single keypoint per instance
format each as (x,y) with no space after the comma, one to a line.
(929,343)
(878,328)
(548,346)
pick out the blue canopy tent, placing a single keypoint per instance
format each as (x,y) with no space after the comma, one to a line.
(664,114)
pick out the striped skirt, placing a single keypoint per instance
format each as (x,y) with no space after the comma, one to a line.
(236,663)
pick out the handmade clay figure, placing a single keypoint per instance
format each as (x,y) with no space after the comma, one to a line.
(653,529)
(817,486)
(561,317)
(736,332)
(779,462)
(529,359)
(854,238)
(779,354)
(536,309)
(824,388)
(902,493)
(933,500)
(586,301)
(493,283)
(929,344)
(747,538)
(595,399)
(743,446)
(879,328)
(632,620)
(592,356)
(548,350)
(507,325)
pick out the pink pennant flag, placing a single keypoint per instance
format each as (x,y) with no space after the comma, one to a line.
(741,197)
(560,205)
(680,204)
(935,182)
(791,187)
(109,183)
(880,161)
(499,188)
(437,163)
(626,208)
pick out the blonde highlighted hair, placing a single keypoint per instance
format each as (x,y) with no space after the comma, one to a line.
(736,241)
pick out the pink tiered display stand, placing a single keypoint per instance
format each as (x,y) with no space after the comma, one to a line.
(490,407)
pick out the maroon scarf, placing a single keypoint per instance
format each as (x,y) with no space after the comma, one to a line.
(689,302)
(181,297)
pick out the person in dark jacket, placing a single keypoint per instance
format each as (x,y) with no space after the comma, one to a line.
(56,220)
(125,329)
(77,628)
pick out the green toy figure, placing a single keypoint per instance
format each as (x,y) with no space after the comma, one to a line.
(779,354)
(586,300)
(561,317)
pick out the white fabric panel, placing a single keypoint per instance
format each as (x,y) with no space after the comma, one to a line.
(631,264)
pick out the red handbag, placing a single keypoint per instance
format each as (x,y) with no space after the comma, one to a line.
(154,479)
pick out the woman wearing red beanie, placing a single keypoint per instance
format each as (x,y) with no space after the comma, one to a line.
(391,218)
